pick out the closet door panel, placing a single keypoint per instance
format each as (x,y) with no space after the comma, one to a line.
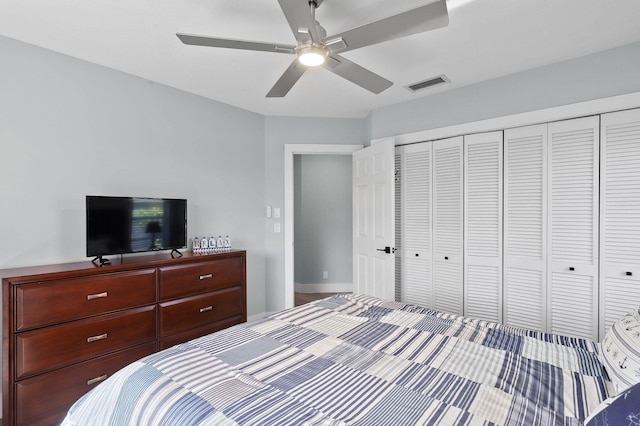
(573,296)
(448,224)
(525,212)
(523,297)
(619,215)
(398,222)
(483,226)
(573,227)
(448,287)
(417,224)
(618,296)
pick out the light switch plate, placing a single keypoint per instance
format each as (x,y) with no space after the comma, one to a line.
(276,212)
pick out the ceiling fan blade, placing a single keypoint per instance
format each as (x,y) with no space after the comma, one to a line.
(235,44)
(421,19)
(287,80)
(300,17)
(357,74)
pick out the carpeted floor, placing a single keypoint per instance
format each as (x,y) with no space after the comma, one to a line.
(302,298)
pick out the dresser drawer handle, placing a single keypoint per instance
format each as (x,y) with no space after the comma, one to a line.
(206,277)
(96,338)
(96,379)
(97,296)
(207,309)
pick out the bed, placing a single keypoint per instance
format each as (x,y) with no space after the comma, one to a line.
(356,360)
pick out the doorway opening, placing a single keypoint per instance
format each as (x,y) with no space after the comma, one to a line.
(289,204)
(323,219)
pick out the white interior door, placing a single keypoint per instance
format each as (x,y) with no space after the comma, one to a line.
(417,253)
(373,220)
(619,216)
(447,225)
(525,227)
(483,226)
(572,269)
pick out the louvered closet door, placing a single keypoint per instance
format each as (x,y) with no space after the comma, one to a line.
(619,216)
(525,209)
(572,278)
(417,224)
(483,226)
(398,222)
(448,225)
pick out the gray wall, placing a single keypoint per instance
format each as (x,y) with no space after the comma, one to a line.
(280,131)
(323,219)
(609,73)
(69,128)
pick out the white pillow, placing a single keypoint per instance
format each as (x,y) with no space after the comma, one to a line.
(620,351)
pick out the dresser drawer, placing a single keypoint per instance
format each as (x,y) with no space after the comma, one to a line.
(56,391)
(52,302)
(184,314)
(46,349)
(185,280)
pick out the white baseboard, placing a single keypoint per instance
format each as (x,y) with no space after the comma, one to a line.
(324,288)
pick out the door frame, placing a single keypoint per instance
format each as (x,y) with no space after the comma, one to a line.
(289,151)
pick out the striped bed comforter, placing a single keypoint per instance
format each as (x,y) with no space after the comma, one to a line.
(356,360)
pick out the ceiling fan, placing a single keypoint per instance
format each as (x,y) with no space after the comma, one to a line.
(314,48)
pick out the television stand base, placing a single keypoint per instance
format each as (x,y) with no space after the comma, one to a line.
(178,254)
(100,261)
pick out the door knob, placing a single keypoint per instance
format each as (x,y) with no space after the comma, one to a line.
(387,250)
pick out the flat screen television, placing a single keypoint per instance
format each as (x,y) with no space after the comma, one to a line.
(120,225)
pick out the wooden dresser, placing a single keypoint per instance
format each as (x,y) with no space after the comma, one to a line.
(68,327)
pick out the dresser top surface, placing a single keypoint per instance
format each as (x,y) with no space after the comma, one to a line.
(117,264)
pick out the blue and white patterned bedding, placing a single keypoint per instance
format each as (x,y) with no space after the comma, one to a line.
(356,360)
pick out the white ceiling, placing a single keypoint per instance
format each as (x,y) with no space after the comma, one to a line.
(485,39)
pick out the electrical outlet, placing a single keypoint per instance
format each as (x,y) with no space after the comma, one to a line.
(325,275)
(276,227)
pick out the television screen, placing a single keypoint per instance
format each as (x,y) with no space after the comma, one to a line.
(118,225)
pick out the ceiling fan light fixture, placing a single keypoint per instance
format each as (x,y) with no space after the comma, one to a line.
(312,56)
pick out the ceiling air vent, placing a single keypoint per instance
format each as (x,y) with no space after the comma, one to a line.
(441,79)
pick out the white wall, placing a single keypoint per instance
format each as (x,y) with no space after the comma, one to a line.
(600,75)
(69,128)
(323,220)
